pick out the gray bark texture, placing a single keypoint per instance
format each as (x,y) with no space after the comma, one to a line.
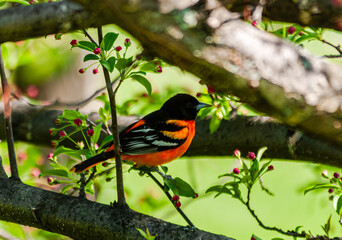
(79,218)
(32,125)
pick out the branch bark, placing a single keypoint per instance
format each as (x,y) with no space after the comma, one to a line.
(241,132)
(270,74)
(74,217)
(315,13)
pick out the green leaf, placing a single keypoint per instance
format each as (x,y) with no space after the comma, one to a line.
(254,170)
(219,189)
(67,188)
(111,61)
(148,67)
(164,168)
(121,64)
(143,81)
(261,152)
(89,46)
(338,204)
(106,140)
(256,238)
(55,172)
(71,114)
(90,56)
(180,187)
(214,124)
(70,152)
(105,64)
(233,175)
(138,72)
(326,227)
(23,2)
(97,132)
(109,40)
(320,186)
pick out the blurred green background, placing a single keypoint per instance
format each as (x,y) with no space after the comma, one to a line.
(46,63)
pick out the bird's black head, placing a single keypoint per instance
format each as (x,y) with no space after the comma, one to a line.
(183,107)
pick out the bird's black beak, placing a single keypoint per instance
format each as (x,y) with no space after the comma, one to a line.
(201,105)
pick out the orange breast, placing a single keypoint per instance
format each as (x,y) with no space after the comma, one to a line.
(160,158)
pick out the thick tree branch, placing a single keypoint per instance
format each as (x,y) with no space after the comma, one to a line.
(235,58)
(315,13)
(39,20)
(240,132)
(74,217)
(207,40)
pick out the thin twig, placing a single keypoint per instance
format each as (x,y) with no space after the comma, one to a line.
(337,48)
(116,140)
(261,224)
(170,198)
(90,38)
(8,120)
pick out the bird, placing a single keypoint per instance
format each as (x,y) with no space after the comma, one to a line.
(158,138)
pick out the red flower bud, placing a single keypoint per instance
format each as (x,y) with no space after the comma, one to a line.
(97,51)
(78,122)
(50,156)
(336,175)
(127,42)
(251,155)
(105,164)
(178,204)
(81,70)
(90,132)
(237,153)
(159,69)
(270,167)
(236,170)
(330,190)
(291,30)
(118,48)
(50,132)
(62,134)
(211,90)
(50,180)
(95,71)
(198,94)
(195,196)
(73,42)
(254,23)
(175,198)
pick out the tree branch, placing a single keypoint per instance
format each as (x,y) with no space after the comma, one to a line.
(270,74)
(316,13)
(74,217)
(240,132)
(262,70)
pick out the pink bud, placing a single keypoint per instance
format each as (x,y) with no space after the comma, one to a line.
(291,30)
(237,153)
(251,155)
(178,204)
(97,51)
(198,94)
(95,71)
(159,69)
(50,180)
(336,175)
(270,167)
(73,42)
(90,132)
(175,198)
(62,134)
(236,170)
(330,190)
(78,122)
(50,156)
(81,70)
(118,48)
(128,42)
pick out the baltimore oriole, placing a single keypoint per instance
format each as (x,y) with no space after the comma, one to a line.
(156,139)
